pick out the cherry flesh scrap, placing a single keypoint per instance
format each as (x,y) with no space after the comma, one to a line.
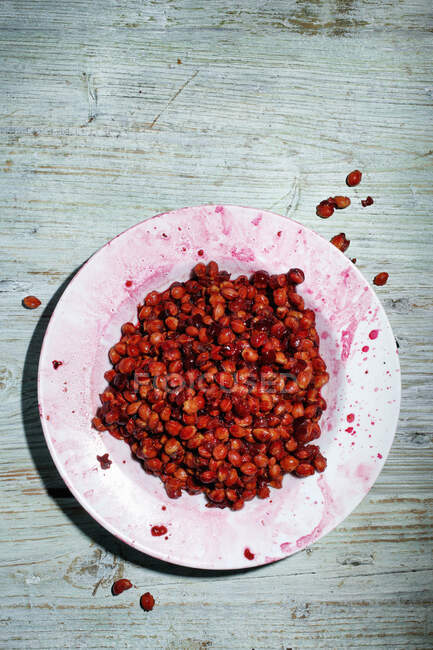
(57,364)
(341,242)
(354,178)
(248,554)
(31,302)
(120,585)
(367,201)
(104,461)
(158,531)
(217,387)
(147,601)
(381,278)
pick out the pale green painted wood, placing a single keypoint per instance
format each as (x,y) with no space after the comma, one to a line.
(273,103)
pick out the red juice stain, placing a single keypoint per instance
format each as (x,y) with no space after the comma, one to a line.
(374,334)
(164,235)
(128,283)
(379,456)
(56,364)
(350,417)
(349,429)
(183,248)
(365,348)
(248,554)
(200,252)
(279,233)
(158,531)
(104,461)
(163,508)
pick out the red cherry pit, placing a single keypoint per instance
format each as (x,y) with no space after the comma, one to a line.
(354,178)
(31,302)
(341,202)
(217,387)
(120,585)
(326,208)
(380,279)
(147,601)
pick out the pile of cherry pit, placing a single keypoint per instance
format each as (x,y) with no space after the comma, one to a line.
(326,208)
(217,386)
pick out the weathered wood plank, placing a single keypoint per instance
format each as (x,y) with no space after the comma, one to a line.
(272,104)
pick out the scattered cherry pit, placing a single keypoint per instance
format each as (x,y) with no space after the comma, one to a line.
(325,209)
(147,601)
(31,302)
(380,279)
(120,586)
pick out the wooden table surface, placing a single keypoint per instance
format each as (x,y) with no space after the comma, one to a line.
(112,111)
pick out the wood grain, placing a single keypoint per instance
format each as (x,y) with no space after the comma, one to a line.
(272,104)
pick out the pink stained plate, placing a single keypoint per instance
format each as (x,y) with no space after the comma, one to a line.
(363,394)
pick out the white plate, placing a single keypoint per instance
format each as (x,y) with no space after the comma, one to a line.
(364,385)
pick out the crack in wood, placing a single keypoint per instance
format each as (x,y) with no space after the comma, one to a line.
(171,100)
